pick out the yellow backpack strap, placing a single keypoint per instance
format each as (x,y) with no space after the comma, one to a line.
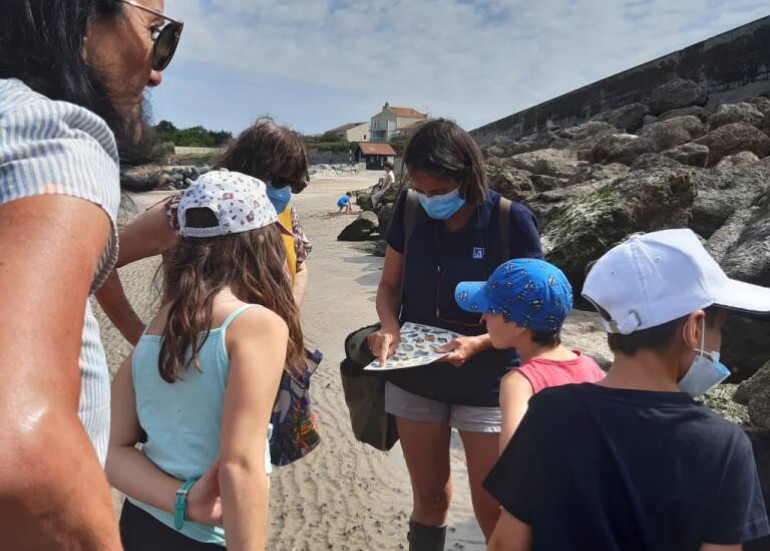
(285,219)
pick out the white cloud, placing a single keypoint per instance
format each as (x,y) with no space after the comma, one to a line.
(473,61)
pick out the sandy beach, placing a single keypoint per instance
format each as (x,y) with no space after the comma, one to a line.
(345,495)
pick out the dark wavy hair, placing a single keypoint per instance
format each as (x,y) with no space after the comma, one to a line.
(41,44)
(442,149)
(197,269)
(270,152)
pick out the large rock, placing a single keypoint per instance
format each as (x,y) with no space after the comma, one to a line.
(558,163)
(651,161)
(761,103)
(513,183)
(670,133)
(675,94)
(619,148)
(723,192)
(588,173)
(720,400)
(689,154)
(643,201)
(360,229)
(364,198)
(755,394)
(701,112)
(742,247)
(733,138)
(582,138)
(628,118)
(550,204)
(739,159)
(728,113)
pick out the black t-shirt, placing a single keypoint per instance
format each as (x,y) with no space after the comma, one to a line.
(607,469)
(436,262)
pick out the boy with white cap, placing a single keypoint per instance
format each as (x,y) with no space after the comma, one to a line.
(633,463)
(524,304)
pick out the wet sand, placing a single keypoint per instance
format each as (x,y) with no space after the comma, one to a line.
(344,495)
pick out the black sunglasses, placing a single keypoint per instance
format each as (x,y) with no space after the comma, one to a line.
(164,40)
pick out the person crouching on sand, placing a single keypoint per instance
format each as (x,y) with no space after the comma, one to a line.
(524,305)
(203,378)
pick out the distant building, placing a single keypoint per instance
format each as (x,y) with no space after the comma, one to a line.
(353,132)
(392,121)
(374,155)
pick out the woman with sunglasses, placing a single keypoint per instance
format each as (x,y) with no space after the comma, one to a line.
(456,234)
(72,78)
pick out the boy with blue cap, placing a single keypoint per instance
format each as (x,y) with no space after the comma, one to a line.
(524,305)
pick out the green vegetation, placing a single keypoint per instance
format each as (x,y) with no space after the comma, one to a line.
(197,136)
(398,143)
(330,142)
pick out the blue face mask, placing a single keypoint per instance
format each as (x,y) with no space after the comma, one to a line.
(705,373)
(442,207)
(280,197)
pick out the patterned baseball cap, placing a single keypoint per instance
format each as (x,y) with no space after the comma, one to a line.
(529,292)
(239,202)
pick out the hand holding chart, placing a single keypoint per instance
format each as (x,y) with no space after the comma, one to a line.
(418,347)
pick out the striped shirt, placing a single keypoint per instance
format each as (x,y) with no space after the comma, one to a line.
(57,148)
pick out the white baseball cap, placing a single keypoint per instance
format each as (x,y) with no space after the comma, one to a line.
(239,202)
(658,277)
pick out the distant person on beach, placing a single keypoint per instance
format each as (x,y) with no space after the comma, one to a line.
(267,151)
(633,462)
(203,378)
(524,305)
(385,183)
(456,237)
(344,203)
(72,80)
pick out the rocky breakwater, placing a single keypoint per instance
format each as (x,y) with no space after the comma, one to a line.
(324,171)
(152,177)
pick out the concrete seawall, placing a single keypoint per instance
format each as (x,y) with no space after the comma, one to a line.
(733,66)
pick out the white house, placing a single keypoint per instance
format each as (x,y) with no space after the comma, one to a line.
(391,121)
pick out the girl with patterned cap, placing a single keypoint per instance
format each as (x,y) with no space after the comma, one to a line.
(204,375)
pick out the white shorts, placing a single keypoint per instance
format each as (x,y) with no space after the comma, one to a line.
(404,404)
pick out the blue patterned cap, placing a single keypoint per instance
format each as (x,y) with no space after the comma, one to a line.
(529,292)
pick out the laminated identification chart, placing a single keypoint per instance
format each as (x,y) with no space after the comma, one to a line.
(418,347)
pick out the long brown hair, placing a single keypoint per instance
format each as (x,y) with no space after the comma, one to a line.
(270,152)
(441,148)
(251,263)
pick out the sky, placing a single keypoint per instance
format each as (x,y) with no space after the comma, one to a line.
(318,64)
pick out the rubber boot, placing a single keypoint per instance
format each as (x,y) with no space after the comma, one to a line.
(425,538)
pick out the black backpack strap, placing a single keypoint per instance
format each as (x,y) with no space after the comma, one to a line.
(505,228)
(410,218)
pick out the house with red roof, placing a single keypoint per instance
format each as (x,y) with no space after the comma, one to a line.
(374,154)
(394,121)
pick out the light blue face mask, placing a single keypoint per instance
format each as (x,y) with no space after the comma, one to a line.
(705,373)
(280,197)
(442,207)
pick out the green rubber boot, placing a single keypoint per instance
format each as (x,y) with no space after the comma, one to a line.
(426,538)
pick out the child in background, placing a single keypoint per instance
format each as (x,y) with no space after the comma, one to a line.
(525,303)
(344,203)
(203,378)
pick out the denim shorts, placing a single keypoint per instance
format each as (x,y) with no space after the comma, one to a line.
(406,405)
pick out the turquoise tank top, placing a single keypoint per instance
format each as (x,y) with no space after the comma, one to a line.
(183,420)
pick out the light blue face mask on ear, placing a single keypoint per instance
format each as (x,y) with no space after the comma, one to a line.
(280,197)
(706,371)
(442,207)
